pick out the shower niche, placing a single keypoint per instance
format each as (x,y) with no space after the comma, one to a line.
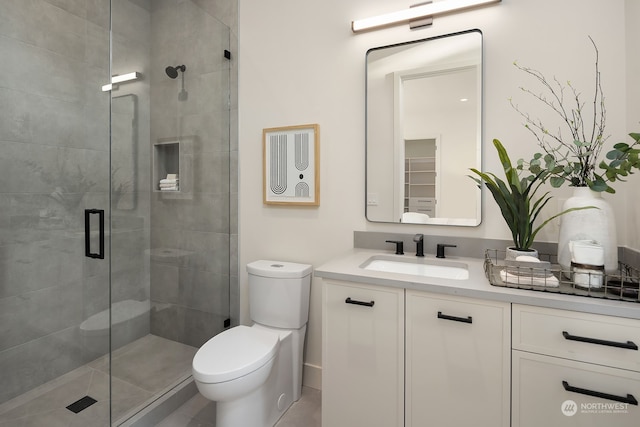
(170,167)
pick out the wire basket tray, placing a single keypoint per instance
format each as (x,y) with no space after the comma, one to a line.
(621,286)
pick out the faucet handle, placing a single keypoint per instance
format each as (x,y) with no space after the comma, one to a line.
(440,249)
(399,246)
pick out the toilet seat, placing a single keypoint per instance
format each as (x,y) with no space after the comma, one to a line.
(234,353)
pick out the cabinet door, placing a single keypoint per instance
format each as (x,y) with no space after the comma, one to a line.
(362,356)
(458,361)
(550,391)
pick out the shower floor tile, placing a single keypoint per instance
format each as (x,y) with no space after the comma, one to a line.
(141,370)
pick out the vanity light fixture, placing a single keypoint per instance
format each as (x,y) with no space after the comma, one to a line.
(415,12)
(121,78)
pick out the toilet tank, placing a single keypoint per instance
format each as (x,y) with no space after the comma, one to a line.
(279,293)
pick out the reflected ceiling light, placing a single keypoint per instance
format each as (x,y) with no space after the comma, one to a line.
(121,78)
(416,12)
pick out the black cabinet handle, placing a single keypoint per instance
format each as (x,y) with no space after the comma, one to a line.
(629,399)
(356,302)
(630,345)
(87,233)
(468,319)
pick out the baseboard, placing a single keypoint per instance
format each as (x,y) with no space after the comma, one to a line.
(312,376)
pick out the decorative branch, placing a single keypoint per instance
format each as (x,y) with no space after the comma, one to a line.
(568,161)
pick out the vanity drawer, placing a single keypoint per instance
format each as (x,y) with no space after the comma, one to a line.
(593,338)
(549,391)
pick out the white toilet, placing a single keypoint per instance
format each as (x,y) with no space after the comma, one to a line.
(255,373)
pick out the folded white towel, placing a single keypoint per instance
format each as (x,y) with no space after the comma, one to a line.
(587,263)
(168,181)
(175,184)
(550,281)
(173,188)
(172,176)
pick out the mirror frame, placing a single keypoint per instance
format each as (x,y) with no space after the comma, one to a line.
(471,221)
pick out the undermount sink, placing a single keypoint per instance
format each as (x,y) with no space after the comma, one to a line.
(418,267)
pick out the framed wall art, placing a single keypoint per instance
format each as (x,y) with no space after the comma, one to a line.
(291,173)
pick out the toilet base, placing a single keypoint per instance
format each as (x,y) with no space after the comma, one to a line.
(235,413)
(264,406)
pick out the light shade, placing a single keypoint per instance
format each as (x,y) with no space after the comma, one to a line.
(417,12)
(120,79)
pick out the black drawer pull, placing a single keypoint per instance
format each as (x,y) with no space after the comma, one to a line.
(630,345)
(629,399)
(468,319)
(356,302)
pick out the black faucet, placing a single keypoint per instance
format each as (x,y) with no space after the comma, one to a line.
(440,249)
(399,246)
(419,239)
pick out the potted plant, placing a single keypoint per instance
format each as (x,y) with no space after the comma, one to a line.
(516,199)
(576,159)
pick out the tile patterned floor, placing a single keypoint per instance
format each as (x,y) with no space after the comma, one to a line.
(140,370)
(200,412)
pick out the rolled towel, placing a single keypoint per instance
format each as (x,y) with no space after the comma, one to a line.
(587,263)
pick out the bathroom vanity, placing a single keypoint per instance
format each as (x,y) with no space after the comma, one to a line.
(418,350)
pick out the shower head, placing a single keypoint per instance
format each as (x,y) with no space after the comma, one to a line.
(173,71)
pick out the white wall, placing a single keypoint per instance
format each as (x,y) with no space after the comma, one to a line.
(632,188)
(299,63)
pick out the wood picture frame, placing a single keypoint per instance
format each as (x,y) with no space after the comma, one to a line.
(291,165)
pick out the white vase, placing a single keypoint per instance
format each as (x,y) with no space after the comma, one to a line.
(588,224)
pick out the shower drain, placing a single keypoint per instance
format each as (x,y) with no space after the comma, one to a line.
(81,404)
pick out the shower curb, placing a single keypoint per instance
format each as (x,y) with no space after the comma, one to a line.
(163,406)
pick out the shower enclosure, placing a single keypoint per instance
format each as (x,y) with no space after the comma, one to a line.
(116,209)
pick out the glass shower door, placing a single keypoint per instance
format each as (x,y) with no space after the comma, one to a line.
(54,166)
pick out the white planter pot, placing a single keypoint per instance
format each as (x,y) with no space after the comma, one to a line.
(588,224)
(512,253)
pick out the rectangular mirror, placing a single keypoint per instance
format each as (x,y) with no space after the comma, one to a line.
(424,130)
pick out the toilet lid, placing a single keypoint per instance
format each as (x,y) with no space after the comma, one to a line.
(234,353)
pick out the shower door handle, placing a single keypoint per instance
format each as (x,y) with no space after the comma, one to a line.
(87,233)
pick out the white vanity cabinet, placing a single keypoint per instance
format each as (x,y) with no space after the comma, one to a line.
(457,361)
(454,372)
(574,369)
(362,355)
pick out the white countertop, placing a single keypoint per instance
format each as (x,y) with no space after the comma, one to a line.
(347,268)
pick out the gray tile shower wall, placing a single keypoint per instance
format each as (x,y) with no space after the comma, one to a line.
(191,265)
